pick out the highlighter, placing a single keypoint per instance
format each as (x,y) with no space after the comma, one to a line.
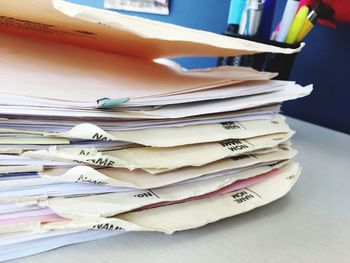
(297,25)
(308,25)
(235,14)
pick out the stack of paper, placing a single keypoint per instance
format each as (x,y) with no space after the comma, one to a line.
(96,134)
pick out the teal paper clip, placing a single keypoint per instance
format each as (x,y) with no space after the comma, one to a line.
(106,103)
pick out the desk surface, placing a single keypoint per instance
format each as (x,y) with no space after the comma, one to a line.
(310,224)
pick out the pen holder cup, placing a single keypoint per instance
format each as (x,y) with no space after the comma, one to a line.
(270,62)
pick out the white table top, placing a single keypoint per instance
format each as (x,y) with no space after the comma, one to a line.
(310,224)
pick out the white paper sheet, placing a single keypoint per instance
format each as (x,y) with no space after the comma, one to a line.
(44,242)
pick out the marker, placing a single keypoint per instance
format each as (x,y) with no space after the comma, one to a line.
(267,19)
(287,19)
(297,25)
(255,15)
(251,17)
(308,25)
(235,15)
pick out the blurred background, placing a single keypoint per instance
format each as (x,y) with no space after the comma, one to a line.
(324,62)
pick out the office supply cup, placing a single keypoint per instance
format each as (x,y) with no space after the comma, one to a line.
(270,62)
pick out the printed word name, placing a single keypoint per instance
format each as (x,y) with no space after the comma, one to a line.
(143,195)
(108,226)
(242,196)
(100,137)
(102,161)
(234,145)
(85,179)
(231,125)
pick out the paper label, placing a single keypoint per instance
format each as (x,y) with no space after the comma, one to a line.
(144,180)
(108,205)
(170,137)
(159,158)
(193,214)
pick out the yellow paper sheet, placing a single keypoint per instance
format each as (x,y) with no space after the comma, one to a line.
(112,32)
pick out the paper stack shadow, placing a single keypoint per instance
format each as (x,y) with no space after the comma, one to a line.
(101,134)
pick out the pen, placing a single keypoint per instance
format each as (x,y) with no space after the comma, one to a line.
(297,25)
(244,19)
(308,25)
(287,19)
(267,19)
(235,15)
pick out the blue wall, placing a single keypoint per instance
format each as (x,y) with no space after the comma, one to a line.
(324,61)
(199,14)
